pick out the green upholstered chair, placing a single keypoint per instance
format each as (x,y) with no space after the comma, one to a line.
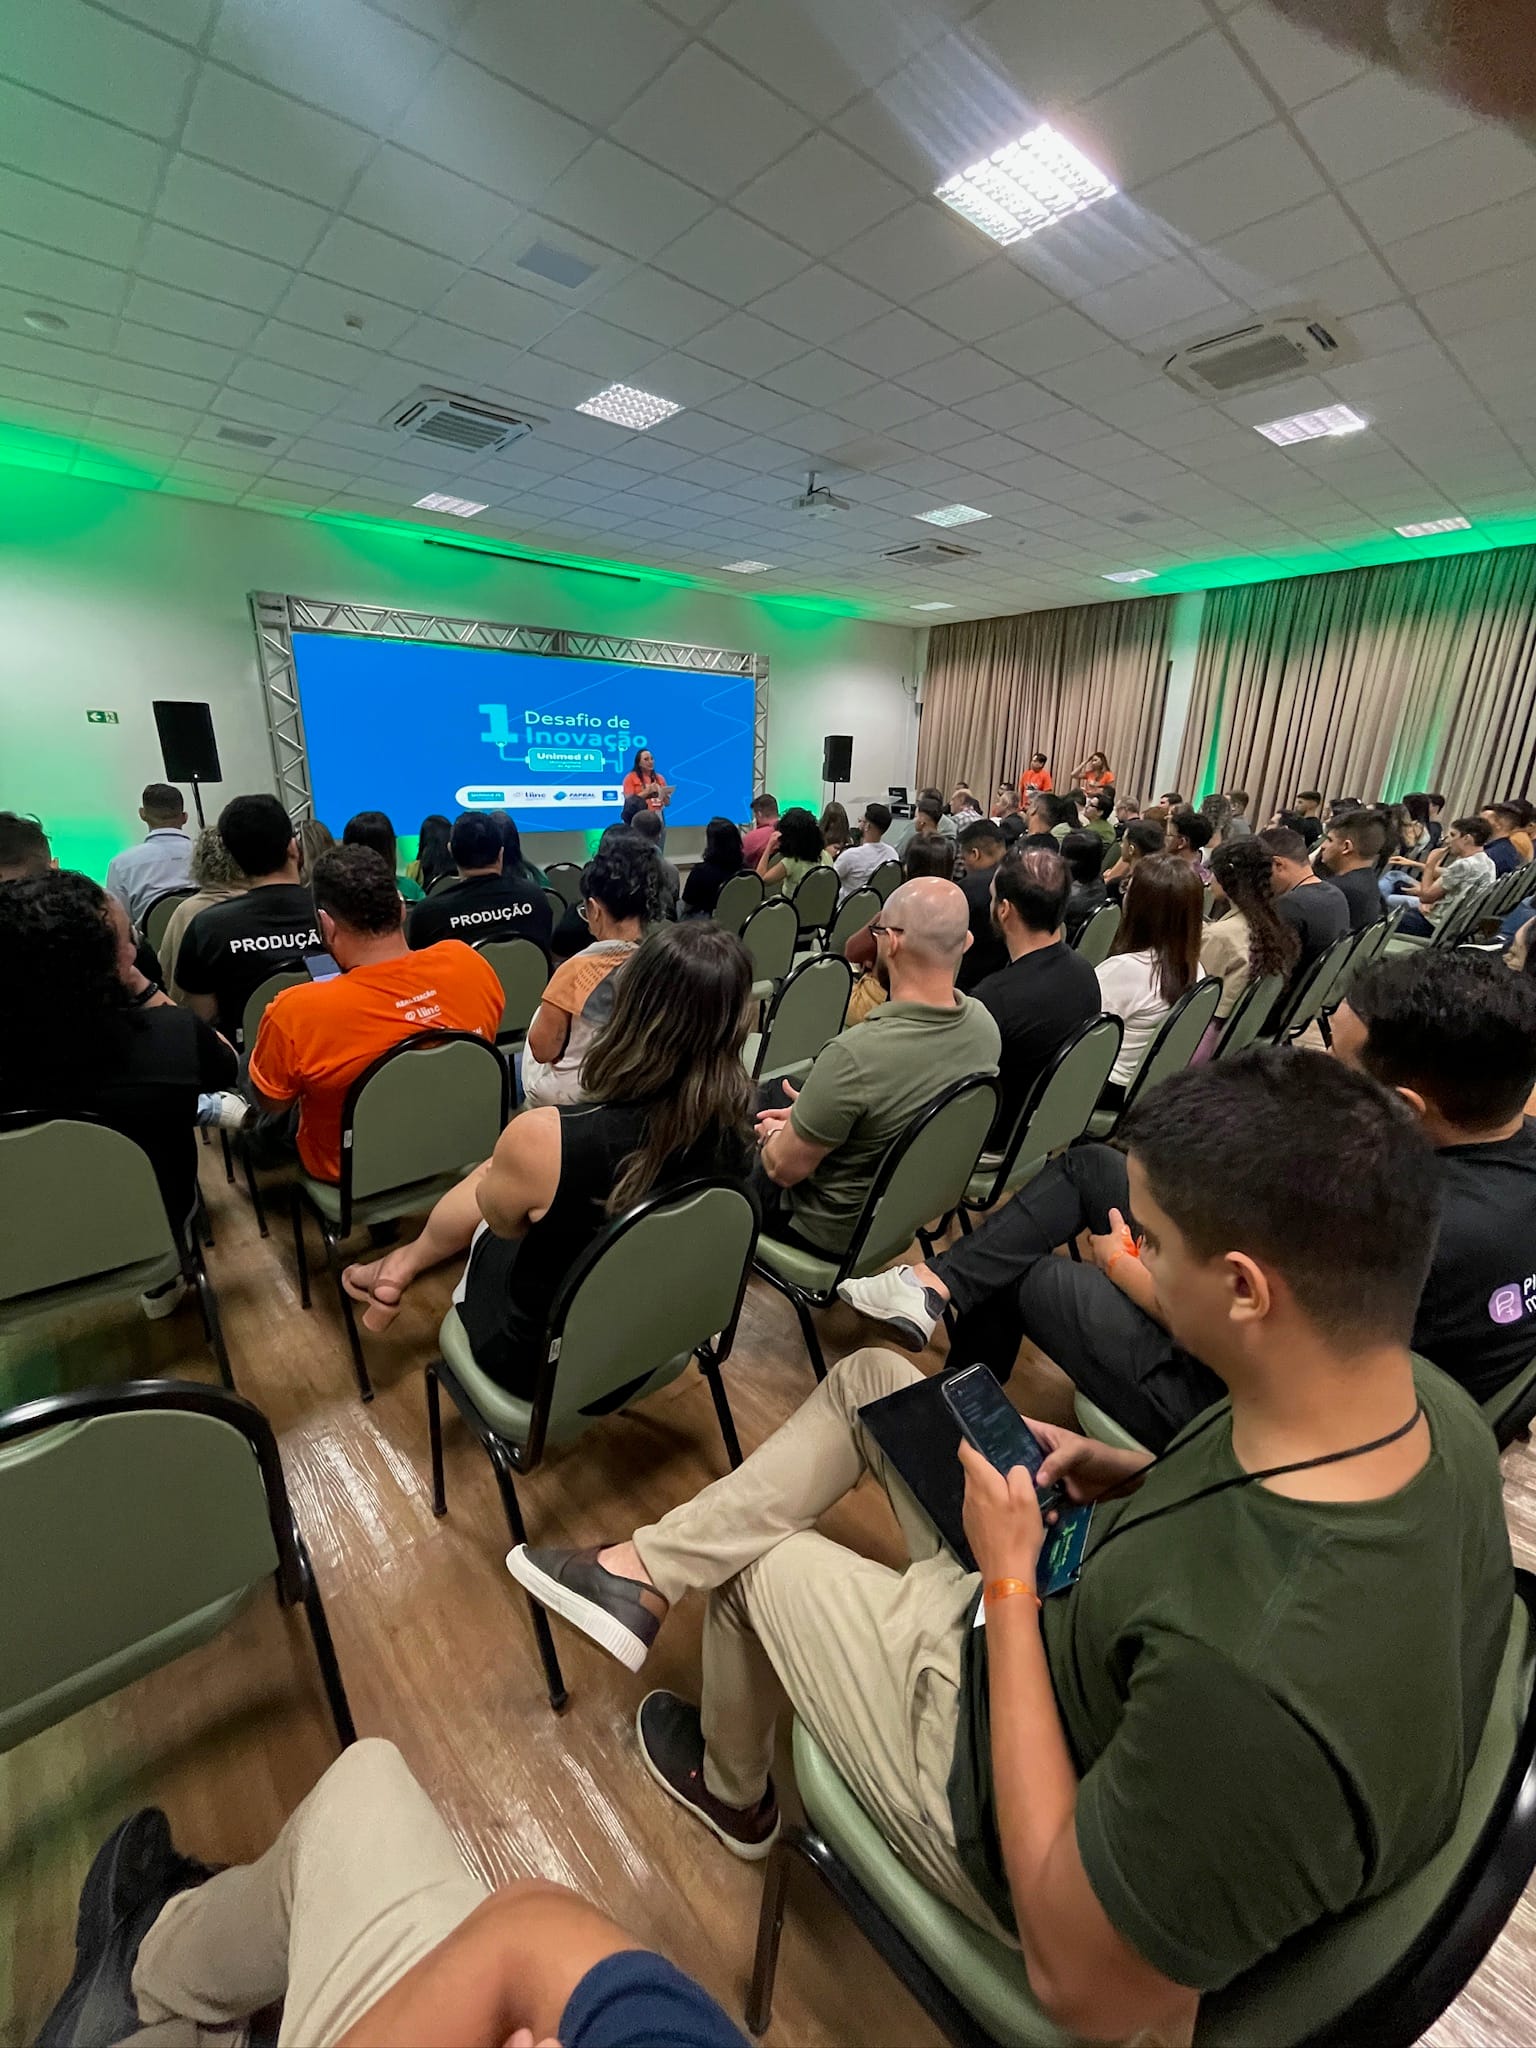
(81,1220)
(1054,1114)
(1096,934)
(770,936)
(557,904)
(564,877)
(815,902)
(1458,923)
(737,900)
(862,908)
(140,1520)
(250,1026)
(413,1124)
(1512,1409)
(157,916)
(1246,1020)
(522,968)
(686,1253)
(1377,1977)
(922,1177)
(1094,1421)
(887,879)
(807,1012)
(1312,990)
(1177,1041)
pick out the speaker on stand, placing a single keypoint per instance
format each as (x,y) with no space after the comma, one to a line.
(837,759)
(187,745)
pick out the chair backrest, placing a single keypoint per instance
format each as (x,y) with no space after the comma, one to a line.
(770,935)
(862,908)
(924,1174)
(737,901)
(522,969)
(1058,1107)
(1096,934)
(145,1512)
(557,903)
(76,1200)
(886,879)
(1513,1407)
(432,1105)
(256,1002)
(1367,948)
(158,915)
(565,880)
(1178,1038)
(1248,1016)
(1312,989)
(808,1010)
(816,899)
(1464,917)
(686,1253)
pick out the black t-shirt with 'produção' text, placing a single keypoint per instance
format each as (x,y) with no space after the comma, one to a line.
(481,907)
(230,949)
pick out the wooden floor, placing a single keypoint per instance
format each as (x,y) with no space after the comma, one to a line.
(436,1651)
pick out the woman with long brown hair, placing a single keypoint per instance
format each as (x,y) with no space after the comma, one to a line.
(1156,957)
(1252,939)
(666,1099)
(836,833)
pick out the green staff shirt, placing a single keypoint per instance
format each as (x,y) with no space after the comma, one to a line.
(1272,1704)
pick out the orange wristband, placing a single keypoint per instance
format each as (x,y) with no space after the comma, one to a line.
(1004,1589)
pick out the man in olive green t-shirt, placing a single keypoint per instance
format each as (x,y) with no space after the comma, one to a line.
(1256,1704)
(819,1156)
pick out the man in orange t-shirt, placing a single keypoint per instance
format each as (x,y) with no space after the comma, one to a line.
(316,1039)
(1036,777)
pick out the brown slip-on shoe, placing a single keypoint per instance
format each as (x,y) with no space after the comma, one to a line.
(672,1749)
(620,1615)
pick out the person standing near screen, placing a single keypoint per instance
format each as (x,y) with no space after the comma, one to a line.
(644,782)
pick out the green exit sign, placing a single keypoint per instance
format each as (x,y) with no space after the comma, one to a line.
(101,718)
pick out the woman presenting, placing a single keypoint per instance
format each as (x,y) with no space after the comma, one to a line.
(643,781)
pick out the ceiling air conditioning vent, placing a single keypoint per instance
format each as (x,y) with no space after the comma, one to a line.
(1268,351)
(244,437)
(472,425)
(928,554)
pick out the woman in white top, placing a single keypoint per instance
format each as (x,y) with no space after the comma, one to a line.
(1156,959)
(1251,940)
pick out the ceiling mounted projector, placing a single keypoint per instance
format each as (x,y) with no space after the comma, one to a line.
(817,502)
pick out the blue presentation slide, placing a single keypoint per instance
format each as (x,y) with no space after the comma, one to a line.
(411,727)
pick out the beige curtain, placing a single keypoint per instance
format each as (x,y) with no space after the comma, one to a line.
(1369,682)
(1064,683)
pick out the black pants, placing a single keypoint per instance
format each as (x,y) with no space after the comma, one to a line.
(1005,1286)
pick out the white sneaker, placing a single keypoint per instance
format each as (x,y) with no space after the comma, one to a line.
(229,1110)
(897,1298)
(164,1301)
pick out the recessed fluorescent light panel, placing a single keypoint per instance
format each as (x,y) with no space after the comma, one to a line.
(1128,575)
(1313,426)
(747,568)
(952,515)
(1424,526)
(937,605)
(439,501)
(1034,182)
(627,407)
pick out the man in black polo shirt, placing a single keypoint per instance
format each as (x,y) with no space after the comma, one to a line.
(230,949)
(1351,848)
(483,903)
(982,846)
(1317,910)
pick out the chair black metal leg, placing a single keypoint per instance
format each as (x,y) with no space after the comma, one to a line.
(925,1239)
(770,1926)
(723,1413)
(300,1256)
(812,1340)
(204,1223)
(348,1316)
(435,1435)
(208,1302)
(253,1189)
(964,1215)
(325,1652)
(554,1678)
(229,1163)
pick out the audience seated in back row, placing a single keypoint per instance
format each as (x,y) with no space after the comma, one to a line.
(1315,908)
(618,892)
(160,862)
(1259,1705)
(795,848)
(1349,855)
(230,949)
(855,864)
(1083,852)
(765,822)
(707,877)
(1141,839)
(485,902)
(1189,834)
(1154,961)
(649,827)
(373,829)
(217,878)
(1459,864)
(981,847)
(1252,939)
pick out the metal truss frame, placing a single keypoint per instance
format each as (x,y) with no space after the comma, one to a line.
(278,617)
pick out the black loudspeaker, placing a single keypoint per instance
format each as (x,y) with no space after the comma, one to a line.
(837,757)
(187,745)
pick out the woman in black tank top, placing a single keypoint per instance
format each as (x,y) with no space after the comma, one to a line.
(665,1099)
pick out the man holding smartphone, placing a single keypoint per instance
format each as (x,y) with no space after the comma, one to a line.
(1253,1704)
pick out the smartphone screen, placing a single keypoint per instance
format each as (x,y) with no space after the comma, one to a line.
(989,1421)
(321,966)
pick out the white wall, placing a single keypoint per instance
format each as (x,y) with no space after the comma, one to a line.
(110,598)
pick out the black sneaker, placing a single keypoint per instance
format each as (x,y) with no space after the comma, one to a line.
(672,1746)
(621,1616)
(135,1872)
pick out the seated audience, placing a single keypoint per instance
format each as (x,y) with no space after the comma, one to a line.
(83,1034)
(314,838)
(230,949)
(649,826)
(617,893)
(964,807)
(1520,834)
(1036,776)
(515,864)
(927,855)
(1436,815)
(1406,859)
(1141,840)
(1098,815)
(818,1156)
(364,1922)
(981,848)
(1155,959)
(1503,820)
(707,877)
(1315,908)
(666,1100)
(1309,804)
(1006,801)
(24,849)
(1260,1715)
(1237,825)
(1459,864)
(218,878)
(1171,800)
(794,850)
(1083,853)
(1351,848)
(1046,992)
(1189,834)
(372,828)
(765,822)
(1049,819)
(836,832)
(317,1038)
(854,866)
(929,819)
(433,862)
(160,862)
(484,903)
(1252,939)
(1127,811)
(1218,810)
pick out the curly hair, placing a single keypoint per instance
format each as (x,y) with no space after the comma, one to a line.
(61,990)
(1244,870)
(625,877)
(799,834)
(213,865)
